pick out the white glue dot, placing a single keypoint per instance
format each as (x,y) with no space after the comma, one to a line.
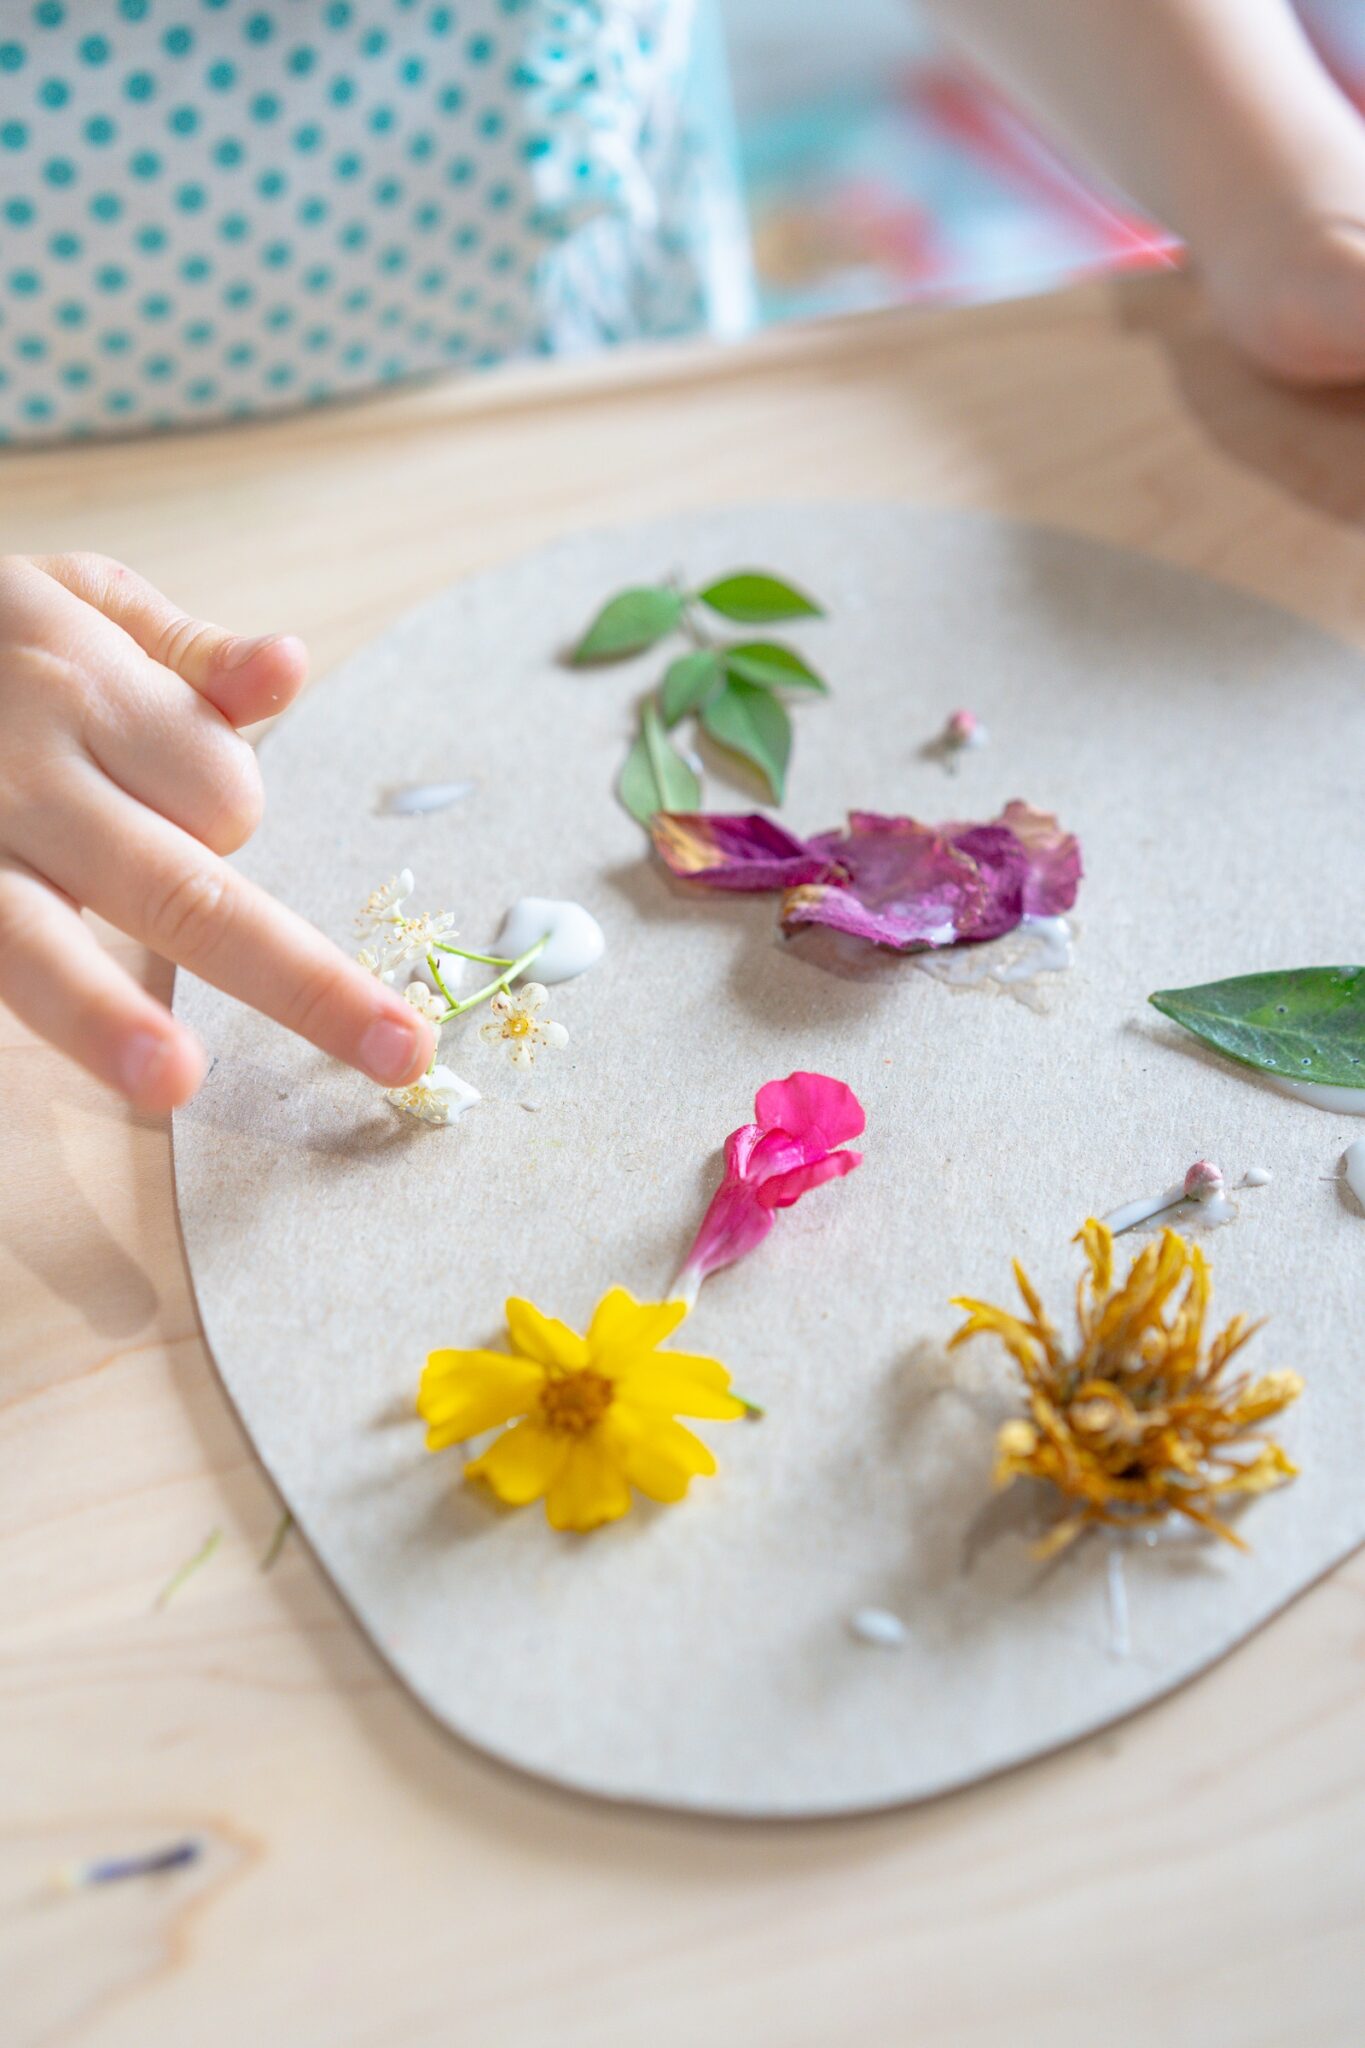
(1257,1177)
(878,1626)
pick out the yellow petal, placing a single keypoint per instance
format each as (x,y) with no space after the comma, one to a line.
(524,1461)
(543,1338)
(643,1376)
(664,1385)
(656,1454)
(589,1488)
(1271,1467)
(709,1371)
(622,1326)
(985,1319)
(465,1392)
(1267,1396)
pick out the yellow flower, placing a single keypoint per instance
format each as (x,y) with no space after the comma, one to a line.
(1141,1420)
(590,1416)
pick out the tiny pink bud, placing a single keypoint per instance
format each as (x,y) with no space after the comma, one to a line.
(1202,1180)
(962,728)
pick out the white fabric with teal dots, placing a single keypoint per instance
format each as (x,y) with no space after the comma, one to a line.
(211,208)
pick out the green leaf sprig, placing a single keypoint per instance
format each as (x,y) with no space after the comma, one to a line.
(731,687)
(1301,1024)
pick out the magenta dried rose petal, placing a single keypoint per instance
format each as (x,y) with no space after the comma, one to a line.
(1054,859)
(1004,869)
(748,853)
(895,882)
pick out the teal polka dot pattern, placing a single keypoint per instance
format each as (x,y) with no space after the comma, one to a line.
(214,208)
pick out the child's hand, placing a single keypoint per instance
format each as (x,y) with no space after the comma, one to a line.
(122,781)
(1292,295)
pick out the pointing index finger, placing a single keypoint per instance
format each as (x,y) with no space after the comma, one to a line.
(161,886)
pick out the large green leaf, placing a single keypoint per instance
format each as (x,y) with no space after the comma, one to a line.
(655,776)
(775,666)
(628,623)
(1305,1024)
(748,719)
(755,598)
(688,682)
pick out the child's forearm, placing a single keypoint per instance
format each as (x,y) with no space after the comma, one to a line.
(1198,109)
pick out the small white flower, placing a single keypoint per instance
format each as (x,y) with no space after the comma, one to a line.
(383,905)
(412,938)
(426,1002)
(373,964)
(438,1098)
(515,1026)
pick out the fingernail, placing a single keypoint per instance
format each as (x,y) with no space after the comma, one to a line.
(238,653)
(388,1050)
(140,1060)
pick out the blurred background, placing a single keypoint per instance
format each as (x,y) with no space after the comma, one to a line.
(879,168)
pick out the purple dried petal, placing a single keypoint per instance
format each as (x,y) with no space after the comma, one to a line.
(1004,870)
(1054,859)
(748,853)
(899,884)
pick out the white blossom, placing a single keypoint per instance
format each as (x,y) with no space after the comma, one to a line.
(516,1026)
(413,938)
(438,1098)
(426,1002)
(373,963)
(383,905)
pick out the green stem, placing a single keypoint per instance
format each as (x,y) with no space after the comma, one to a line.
(692,625)
(188,1569)
(436,977)
(484,959)
(514,968)
(282,1528)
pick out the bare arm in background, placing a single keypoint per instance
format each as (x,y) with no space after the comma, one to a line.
(1217,118)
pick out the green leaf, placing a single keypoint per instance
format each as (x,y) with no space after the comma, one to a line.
(755,598)
(1305,1024)
(655,777)
(748,719)
(628,623)
(774,666)
(689,681)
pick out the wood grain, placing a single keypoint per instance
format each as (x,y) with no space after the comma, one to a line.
(1194,1876)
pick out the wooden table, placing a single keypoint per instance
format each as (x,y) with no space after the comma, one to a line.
(1193,1876)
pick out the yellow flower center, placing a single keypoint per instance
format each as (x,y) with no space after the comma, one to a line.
(517,1026)
(573,1402)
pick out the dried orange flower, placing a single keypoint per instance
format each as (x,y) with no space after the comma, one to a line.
(1142,1420)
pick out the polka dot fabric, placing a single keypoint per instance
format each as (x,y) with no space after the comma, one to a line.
(214,208)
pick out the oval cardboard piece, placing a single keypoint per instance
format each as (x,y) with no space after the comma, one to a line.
(1206,749)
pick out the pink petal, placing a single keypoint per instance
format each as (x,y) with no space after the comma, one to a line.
(1054,859)
(1004,869)
(812,1107)
(735,1221)
(785,1188)
(897,882)
(752,853)
(739,1147)
(771,1163)
(777,1152)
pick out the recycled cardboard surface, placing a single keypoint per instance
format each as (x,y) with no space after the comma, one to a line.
(1207,751)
